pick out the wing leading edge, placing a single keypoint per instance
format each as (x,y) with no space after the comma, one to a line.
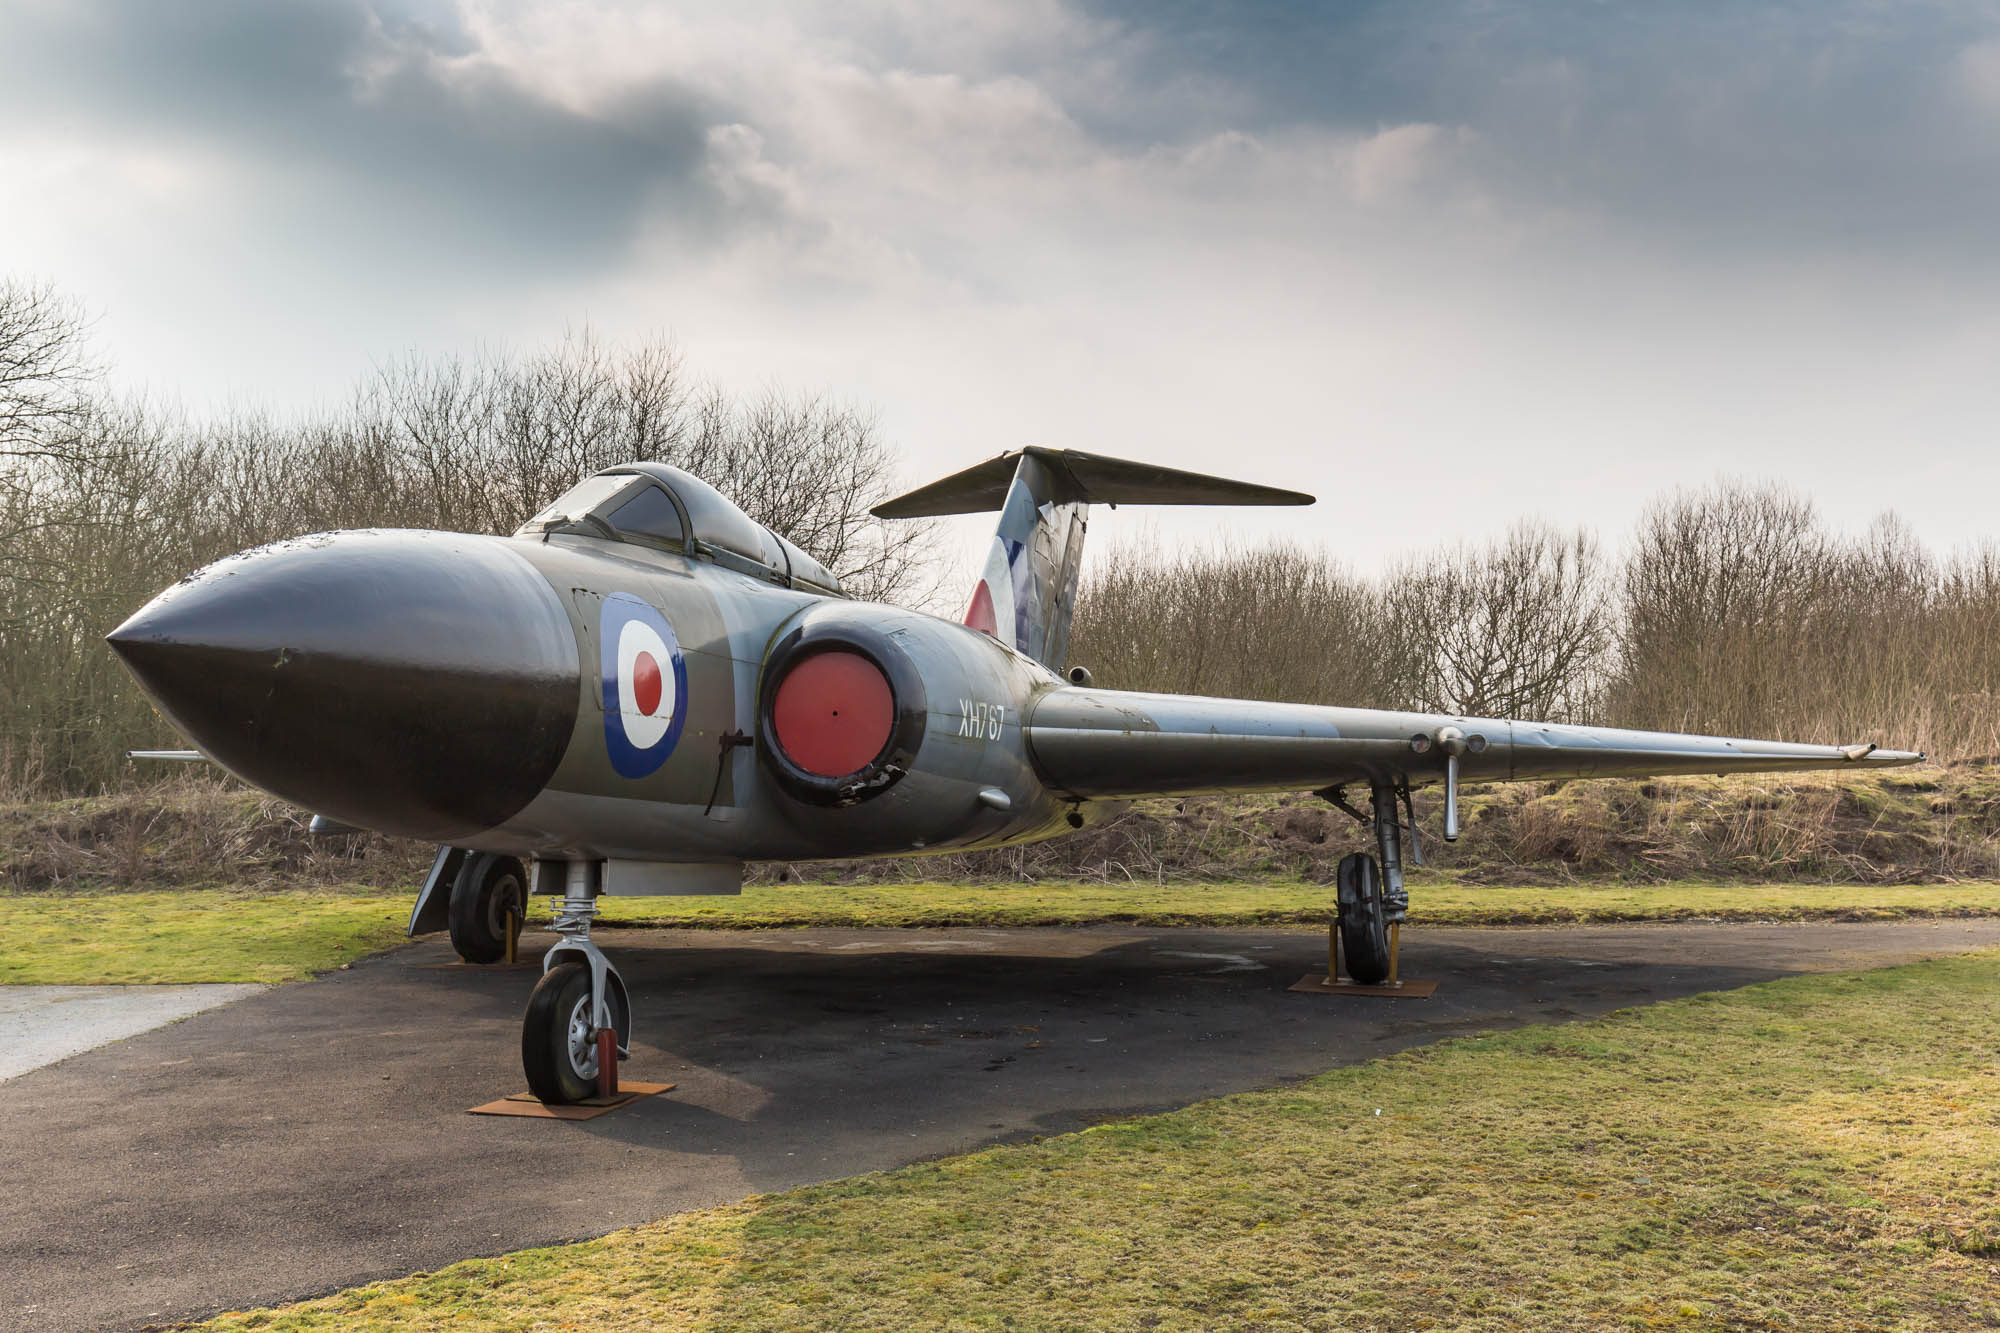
(1099,743)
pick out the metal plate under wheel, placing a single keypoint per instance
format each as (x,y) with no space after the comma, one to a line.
(1318,983)
(533,1107)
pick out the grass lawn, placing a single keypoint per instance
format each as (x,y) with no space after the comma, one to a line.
(1815,1153)
(190,935)
(1282,903)
(185,935)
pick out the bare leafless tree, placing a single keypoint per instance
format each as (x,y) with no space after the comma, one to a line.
(1742,614)
(1517,628)
(45,370)
(1277,622)
(809,467)
(1721,587)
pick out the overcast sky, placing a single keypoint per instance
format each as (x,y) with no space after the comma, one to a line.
(1443,264)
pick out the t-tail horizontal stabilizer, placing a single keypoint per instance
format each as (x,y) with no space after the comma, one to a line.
(1077,477)
(1027,590)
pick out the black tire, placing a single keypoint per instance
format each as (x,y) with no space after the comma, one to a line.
(1364,934)
(488,884)
(558,1045)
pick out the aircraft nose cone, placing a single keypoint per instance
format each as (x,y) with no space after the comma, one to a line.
(422,684)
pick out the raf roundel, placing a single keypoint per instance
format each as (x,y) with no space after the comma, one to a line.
(645,685)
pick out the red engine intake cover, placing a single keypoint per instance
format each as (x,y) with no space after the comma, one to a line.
(833,713)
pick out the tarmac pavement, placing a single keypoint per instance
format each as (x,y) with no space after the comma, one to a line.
(40,1025)
(314,1136)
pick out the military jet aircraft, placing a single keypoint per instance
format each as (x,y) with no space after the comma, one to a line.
(642,689)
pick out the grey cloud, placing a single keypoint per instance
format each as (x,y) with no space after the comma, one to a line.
(1797,125)
(413,147)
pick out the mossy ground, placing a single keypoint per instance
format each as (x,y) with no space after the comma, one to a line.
(1815,1153)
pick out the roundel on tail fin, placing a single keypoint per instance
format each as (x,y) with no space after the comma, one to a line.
(980,614)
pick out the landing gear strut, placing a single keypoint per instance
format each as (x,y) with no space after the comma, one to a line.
(579,1020)
(1372,901)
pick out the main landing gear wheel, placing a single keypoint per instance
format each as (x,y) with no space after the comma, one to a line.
(488,887)
(1364,931)
(558,1039)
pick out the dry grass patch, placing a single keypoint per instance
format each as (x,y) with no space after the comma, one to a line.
(1812,1153)
(194,828)
(1905,826)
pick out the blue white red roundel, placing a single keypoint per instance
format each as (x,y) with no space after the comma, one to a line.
(645,685)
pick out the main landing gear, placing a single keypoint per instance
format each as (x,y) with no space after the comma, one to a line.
(489,901)
(1372,901)
(579,1020)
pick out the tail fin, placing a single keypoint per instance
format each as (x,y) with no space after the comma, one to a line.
(1027,591)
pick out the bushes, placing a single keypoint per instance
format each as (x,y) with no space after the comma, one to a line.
(1733,611)
(1741,614)
(196,828)
(1519,627)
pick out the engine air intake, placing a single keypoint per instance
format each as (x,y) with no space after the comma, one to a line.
(841,711)
(834,712)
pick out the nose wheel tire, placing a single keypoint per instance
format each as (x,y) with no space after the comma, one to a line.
(488,886)
(1364,931)
(558,1039)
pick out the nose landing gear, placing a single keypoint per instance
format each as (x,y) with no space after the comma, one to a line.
(562,1050)
(579,1020)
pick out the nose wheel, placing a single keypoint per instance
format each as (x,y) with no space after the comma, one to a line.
(560,1048)
(579,1019)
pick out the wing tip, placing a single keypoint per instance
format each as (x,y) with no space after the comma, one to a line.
(1872,754)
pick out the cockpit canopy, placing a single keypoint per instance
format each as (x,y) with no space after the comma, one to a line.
(658,505)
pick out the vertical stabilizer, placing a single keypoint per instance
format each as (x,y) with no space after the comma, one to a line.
(1026,593)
